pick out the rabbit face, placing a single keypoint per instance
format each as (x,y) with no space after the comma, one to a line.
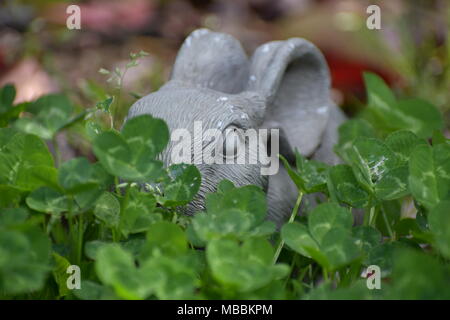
(197,115)
(284,87)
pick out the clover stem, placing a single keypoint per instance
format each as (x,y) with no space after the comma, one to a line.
(116,185)
(290,272)
(366,219)
(114,234)
(372,216)
(325,274)
(56,151)
(291,219)
(388,226)
(72,236)
(125,199)
(80,238)
(119,94)
(302,275)
(175,217)
(368,215)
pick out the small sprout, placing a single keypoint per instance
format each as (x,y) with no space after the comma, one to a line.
(118,72)
(132,63)
(104,71)
(105,105)
(142,53)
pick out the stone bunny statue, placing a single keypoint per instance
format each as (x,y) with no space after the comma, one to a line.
(284,85)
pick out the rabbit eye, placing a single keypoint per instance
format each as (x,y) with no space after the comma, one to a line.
(232,142)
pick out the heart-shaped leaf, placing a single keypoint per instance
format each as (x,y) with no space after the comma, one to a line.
(339,247)
(25,161)
(328,216)
(7,95)
(24,260)
(394,184)
(233,213)
(247,198)
(298,238)
(429,179)
(372,159)
(327,240)
(391,114)
(107,210)
(181,185)
(349,131)
(366,237)
(48,200)
(115,267)
(309,176)
(166,238)
(344,187)
(51,113)
(131,155)
(138,214)
(402,143)
(243,267)
(439,220)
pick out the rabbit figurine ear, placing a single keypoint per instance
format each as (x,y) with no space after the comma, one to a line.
(293,77)
(212,60)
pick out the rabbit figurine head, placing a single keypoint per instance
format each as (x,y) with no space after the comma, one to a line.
(214,85)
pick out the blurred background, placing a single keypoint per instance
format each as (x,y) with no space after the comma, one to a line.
(40,55)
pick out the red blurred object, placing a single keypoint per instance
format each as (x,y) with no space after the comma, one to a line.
(30,79)
(2,63)
(347,75)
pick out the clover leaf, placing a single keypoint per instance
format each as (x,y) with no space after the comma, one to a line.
(84,181)
(402,143)
(180,185)
(161,275)
(50,114)
(25,161)
(391,114)
(429,179)
(344,187)
(8,111)
(107,210)
(349,131)
(138,214)
(166,238)
(48,200)
(116,268)
(327,239)
(243,267)
(233,212)
(439,220)
(309,175)
(24,257)
(378,169)
(418,276)
(131,154)
(328,216)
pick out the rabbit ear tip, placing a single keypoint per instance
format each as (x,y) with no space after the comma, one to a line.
(208,34)
(200,32)
(306,45)
(213,60)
